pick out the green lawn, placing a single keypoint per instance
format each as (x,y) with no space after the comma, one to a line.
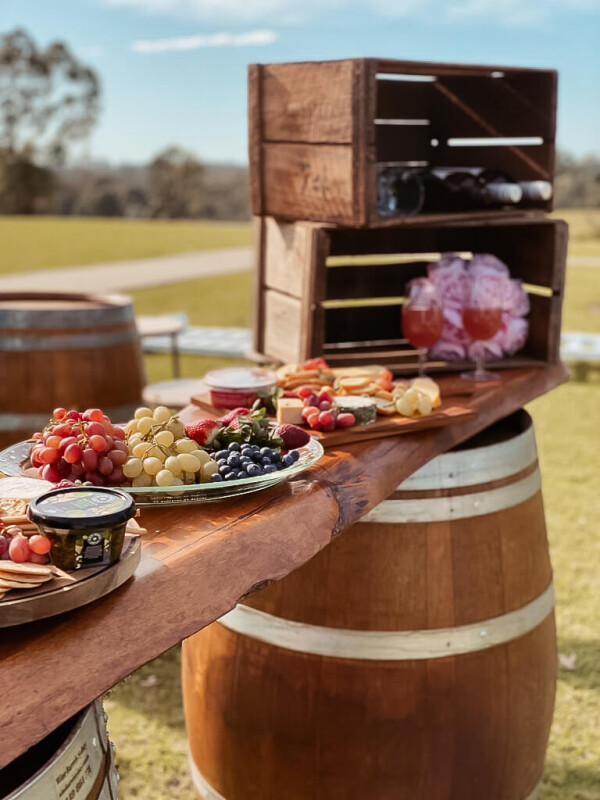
(584,230)
(32,243)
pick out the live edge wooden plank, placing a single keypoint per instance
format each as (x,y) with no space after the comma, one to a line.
(198,561)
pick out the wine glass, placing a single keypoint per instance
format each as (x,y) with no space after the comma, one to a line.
(482,319)
(422,317)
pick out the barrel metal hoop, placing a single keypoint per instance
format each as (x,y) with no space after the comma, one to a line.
(414,645)
(34,422)
(76,341)
(26,319)
(208,793)
(476,466)
(201,784)
(438,509)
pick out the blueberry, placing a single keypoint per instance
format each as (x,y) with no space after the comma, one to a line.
(244,460)
(265,461)
(234,460)
(215,478)
(220,455)
(247,451)
(268,468)
(266,452)
(279,465)
(253,470)
(225,469)
(295,454)
(255,448)
(231,477)
(235,447)
(222,462)
(288,460)
(276,457)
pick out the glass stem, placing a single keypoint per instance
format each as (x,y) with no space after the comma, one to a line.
(422,357)
(479,351)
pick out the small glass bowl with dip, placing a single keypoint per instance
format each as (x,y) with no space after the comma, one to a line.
(86,524)
(234,387)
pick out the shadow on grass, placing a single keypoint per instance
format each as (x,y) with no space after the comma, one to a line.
(586,674)
(562,782)
(154,690)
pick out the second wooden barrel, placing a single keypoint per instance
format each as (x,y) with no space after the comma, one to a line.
(413,659)
(71,350)
(74,762)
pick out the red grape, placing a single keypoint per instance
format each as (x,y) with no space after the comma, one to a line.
(35,558)
(118,432)
(35,456)
(53,441)
(4,542)
(105,465)
(98,443)
(77,470)
(119,445)
(108,426)
(51,474)
(116,476)
(74,415)
(64,443)
(118,457)
(48,455)
(59,413)
(63,467)
(39,544)
(63,430)
(73,453)
(95,478)
(19,549)
(89,459)
(95,429)
(95,414)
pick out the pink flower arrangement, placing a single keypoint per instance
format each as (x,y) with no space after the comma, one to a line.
(451,275)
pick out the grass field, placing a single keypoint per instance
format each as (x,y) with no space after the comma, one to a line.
(33,243)
(145,714)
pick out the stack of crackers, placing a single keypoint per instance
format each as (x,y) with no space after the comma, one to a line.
(23,576)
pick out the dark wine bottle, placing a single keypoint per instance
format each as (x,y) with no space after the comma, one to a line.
(400,192)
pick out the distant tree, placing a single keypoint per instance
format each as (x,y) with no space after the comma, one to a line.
(48,100)
(176,184)
(577,181)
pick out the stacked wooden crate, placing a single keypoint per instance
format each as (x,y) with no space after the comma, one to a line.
(331,269)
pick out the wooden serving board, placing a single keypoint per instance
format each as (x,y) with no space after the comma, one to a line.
(448,413)
(62,594)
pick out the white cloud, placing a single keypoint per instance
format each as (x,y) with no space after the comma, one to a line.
(251,38)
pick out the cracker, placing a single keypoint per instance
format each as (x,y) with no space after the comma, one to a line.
(17,585)
(26,568)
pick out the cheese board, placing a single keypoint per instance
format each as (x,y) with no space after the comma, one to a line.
(454,408)
(67,591)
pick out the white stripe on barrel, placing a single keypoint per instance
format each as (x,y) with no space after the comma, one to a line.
(438,509)
(207,792)
(415,645)
(476,465)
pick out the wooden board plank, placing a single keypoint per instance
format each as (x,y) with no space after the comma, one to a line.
(286,256)
(308,181)
(198,561)
(309,102)
(283,335)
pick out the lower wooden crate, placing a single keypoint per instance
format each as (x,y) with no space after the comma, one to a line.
(337,292)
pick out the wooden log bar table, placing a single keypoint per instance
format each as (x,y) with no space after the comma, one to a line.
(199,560)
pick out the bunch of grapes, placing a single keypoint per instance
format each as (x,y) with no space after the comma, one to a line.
(15,546)
(160,454)
(80,446)
(319,412)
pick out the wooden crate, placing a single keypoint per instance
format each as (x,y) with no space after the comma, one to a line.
(336,292)
(319,131)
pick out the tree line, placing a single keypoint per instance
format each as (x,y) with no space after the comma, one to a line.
(49,101)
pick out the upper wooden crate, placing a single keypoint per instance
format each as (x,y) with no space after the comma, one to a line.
(318,131)
(337,292)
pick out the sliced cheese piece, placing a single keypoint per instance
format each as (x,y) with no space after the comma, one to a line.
(429,387)
(289,411)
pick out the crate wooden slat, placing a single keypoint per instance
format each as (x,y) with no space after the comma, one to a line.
(318,131)
(337,292)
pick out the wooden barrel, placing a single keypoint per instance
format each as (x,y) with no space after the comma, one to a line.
(72,350)
(74,762)
(413,659)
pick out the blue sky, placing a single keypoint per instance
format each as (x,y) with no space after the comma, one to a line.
(174,71)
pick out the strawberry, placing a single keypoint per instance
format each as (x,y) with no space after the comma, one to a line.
(203,431)
(232,415)
(293,436)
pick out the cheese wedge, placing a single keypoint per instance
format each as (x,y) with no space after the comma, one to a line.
(289,411)
(430,388)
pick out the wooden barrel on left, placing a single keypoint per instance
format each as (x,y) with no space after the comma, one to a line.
(72,350)
(74,761)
